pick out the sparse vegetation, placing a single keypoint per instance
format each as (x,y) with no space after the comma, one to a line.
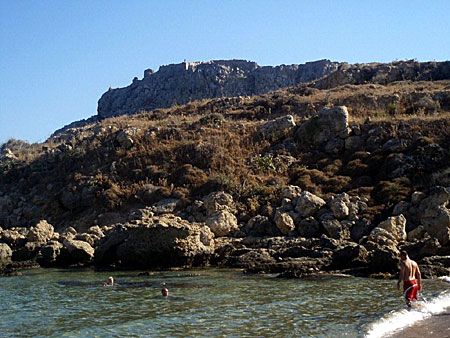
(189,151)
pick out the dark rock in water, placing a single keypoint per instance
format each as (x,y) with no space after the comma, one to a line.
(26,252)
(383,258)
(50,253)
(349,255)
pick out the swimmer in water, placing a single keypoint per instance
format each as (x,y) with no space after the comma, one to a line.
(110,282)
(165,292)
(411,277)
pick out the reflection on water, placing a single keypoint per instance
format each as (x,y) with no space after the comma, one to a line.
(202,303)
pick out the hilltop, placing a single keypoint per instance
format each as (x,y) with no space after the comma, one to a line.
(337,173)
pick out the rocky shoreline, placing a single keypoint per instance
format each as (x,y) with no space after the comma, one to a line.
(296,245)
(333,176)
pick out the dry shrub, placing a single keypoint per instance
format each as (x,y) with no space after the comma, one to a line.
(189,176)
(356,168)
(392,192)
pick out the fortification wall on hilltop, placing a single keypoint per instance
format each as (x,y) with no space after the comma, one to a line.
(190,81)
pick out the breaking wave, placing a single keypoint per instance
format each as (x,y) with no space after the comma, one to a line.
(400,319)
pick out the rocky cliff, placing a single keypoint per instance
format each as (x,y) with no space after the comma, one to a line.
(191,81)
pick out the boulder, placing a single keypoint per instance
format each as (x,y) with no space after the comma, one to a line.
(339,205)
(222,223)
(335,229)
(416,234)
(5,255)
(217,201)
(95,230)
(278,127)
(395,226)
(88,238)
(349,255)
(29,251)
(435,215)
(165,241)
(330,123)
(125,138)
(284,222)
(50,253)
(12,236)
(260,226)
(165,206)
(383,258)
(76,252)
(309,228)
(42,232)
(308,204)
(291,192)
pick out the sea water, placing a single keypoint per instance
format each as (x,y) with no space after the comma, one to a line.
(206,303)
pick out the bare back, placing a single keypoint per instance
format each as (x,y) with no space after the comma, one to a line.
(409,270)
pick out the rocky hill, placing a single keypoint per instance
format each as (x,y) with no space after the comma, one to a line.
(302,180)
(193,81)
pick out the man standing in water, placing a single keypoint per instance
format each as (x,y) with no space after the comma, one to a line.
(411,277)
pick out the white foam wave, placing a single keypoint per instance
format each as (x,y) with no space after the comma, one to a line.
(397,320)
(445,279)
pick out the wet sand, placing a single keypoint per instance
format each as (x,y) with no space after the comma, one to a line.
(435,326)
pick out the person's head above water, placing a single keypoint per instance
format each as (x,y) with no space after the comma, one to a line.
(165,292)
(110,281)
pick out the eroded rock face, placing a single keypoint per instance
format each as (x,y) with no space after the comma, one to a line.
(435,215)
(191,81)
(165,241)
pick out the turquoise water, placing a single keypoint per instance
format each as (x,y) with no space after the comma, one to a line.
(214,303)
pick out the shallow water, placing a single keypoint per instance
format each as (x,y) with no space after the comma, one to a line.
(210,302)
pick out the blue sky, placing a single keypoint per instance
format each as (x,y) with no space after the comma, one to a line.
(58,57)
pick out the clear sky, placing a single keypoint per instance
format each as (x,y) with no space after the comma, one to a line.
(57,57)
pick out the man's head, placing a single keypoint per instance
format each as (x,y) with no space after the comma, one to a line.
(403,255)
(165,292)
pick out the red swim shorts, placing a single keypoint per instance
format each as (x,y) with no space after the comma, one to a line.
(410,289)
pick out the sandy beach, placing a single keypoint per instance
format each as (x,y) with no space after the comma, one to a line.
(435,326)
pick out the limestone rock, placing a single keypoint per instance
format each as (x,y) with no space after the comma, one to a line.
(435,215)
(222,223)
(50,253)
(41,232)
(217,201)
(291,192)
(335,229)
(339,205)
(165,206)
(309,227)
(76,252)
(330,123)
(395,226)
(5,255)
(165,241)
(191,81)
(284,222)
(277,127)
(260,226)
(308,204)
